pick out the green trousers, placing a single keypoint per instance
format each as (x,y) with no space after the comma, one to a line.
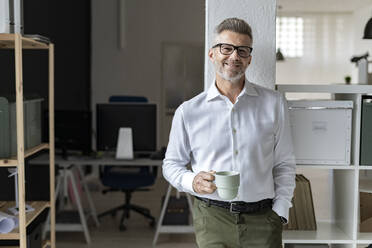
(216,227)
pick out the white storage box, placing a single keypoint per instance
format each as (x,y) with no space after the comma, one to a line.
(321,131)
(4,16)
(306,246)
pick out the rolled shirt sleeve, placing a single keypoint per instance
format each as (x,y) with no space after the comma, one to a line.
(178,155)
(284,170)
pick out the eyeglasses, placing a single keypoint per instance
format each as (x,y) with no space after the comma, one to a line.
(228,49)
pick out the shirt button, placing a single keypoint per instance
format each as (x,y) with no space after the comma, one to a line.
(236,152)
(234,130)
(232,109)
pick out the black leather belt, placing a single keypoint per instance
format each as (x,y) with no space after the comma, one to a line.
(239,206)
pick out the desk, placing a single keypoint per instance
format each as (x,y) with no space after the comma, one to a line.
(89,160)
(79,161)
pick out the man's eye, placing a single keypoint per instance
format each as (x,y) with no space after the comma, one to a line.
(227,49)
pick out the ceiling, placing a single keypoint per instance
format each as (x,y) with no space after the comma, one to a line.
(322,5)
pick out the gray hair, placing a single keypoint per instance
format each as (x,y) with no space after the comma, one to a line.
(235,25)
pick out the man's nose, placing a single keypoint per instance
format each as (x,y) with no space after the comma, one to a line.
(235,55)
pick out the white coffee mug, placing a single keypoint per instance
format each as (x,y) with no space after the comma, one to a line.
(227,183)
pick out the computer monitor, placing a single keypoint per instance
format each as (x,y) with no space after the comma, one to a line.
(72,130)
(141,117)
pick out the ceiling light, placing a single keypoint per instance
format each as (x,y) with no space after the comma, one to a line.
(368,30)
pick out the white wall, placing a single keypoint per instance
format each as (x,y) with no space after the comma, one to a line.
(361,46)
(136,69)
(359,21)
(327,50)
(260,14)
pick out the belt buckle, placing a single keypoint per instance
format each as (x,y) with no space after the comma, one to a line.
(231,209)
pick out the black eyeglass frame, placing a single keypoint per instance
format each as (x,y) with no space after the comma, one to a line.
(235,48)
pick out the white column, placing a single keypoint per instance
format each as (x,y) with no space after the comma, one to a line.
(260,14)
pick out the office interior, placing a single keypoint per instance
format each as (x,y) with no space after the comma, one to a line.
(119,58)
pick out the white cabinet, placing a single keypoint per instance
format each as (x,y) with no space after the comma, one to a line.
(341,229)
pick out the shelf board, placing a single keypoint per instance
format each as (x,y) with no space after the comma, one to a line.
(326,167)
(7,42)
(11,162)
(365,167)
(36,149)
(39,206)
(45,244)
(8,162)
(326,233)
(325,88)
(176,229)
(364,238)
(365,185)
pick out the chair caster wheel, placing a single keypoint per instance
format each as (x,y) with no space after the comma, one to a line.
(122,228)
(113,215)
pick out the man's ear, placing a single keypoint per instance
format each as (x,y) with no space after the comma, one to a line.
(211,54)
(249,59)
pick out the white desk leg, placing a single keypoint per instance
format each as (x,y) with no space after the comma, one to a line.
(61,195)
(87,193)
(160,221)
(57,192)
(64,196)
(188,196)
(80,208)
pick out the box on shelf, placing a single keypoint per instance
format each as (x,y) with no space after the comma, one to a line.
(306,246)
(8,125)
(365,200)
(33,122)
(366,132)
(321,131)
(11,16)
(4,128)
(302,213)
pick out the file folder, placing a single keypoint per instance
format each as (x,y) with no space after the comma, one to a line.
(366,132)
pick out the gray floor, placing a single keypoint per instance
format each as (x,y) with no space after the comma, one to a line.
(138,234)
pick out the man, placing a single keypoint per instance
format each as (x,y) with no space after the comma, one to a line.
(234,126)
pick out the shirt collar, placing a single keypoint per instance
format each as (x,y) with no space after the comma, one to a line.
(248,89)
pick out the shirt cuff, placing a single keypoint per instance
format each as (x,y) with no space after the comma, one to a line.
(281,208)
(187,180)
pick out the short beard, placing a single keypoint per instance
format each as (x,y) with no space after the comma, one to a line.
(234,79)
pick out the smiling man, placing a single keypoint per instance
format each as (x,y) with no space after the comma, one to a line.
(234,126)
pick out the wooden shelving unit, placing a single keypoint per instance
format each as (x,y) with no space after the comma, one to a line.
(17,43)
(12,162)
(8,42)
(343,229)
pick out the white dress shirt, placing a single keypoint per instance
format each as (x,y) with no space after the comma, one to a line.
(251,136)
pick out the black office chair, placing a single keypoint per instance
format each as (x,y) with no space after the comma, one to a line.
(128,179)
